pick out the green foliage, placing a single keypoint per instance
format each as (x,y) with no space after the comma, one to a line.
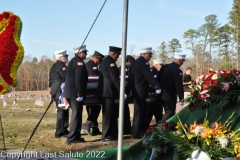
(217,140)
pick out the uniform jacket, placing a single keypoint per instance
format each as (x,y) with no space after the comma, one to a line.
(76,80)
(140,77)
(57,76)
(109,81)
(126,70)
(154,71)
(127,89)
(171,82)
(92,68)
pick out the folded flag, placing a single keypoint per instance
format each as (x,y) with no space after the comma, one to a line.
(39,102)
(62,102)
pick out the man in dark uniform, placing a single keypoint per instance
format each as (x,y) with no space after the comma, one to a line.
(187,80)
(108,90)
(155,108)
(139,79)
(74,92)
(57,76)
(172,86)
(93,110)
(127,121)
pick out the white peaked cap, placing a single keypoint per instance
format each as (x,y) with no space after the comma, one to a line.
(146,50)
(157,61)
(80,49)
(179,56)
(60,53)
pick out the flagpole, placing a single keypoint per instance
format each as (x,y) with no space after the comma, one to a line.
(122,82)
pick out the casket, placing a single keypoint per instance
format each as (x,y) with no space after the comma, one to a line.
(92,93)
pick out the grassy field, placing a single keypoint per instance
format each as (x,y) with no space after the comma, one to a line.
(18,125)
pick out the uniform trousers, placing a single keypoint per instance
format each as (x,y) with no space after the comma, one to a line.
(109,119)
(140,108)
(93,113)
(169,108)
(76,120)
(154,109)
(127,121)
(62,120)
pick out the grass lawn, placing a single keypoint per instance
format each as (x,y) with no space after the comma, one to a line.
(18,125)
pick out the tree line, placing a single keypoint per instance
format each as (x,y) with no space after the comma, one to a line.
(213,45)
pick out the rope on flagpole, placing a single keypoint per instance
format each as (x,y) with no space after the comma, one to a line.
(58,88)
(36,128)
(92,25)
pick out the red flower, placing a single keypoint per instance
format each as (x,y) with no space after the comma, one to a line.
(151,127)
(225,74)
(1,88)
(6,15)
(193,108)
(164,123)
(170,127)
(215,83)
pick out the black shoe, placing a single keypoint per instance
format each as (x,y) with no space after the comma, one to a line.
(61,135)
(81,140)
(139,136)
(95,131)
(109,138)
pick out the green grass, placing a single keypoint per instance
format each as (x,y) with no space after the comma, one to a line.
(18,125)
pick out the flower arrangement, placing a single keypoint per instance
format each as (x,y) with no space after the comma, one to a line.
(215,139)
(216,88)
(11,49)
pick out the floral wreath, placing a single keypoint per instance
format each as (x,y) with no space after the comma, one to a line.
(11,50)
(218,88)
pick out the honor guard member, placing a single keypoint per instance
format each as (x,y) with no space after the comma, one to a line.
(139,79)
(172,85)
(57,76)
(155,108)
(187,80)
(127,120)
(93,110)
(74,91)
(108,90)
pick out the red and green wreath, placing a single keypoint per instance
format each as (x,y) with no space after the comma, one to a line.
(11,50)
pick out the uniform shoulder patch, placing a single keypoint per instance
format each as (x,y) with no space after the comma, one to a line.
(112,64)
(79,63)
(94,68)
(64,68)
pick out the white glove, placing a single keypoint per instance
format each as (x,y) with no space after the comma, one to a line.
(181,103)
(79,99)
(158,91)
(125,96)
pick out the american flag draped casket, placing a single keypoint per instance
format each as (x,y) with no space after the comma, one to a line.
(92,93)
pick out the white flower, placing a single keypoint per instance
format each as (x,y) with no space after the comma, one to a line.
(223,140)
(204,92)
(215,76)
(198,130)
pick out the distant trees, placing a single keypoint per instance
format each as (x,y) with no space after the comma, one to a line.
(213,45)
(34,75)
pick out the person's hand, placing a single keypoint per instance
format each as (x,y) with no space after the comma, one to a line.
(189,82)
(125,96)
(181,103)
(79,99)
(158,91)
